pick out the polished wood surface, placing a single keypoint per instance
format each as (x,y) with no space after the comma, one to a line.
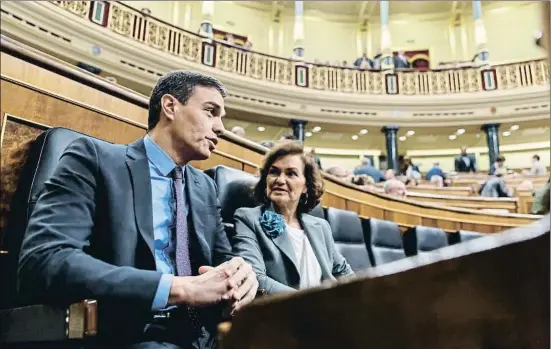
(491,292)
(472,202)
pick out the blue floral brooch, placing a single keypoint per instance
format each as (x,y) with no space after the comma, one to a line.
(272,223)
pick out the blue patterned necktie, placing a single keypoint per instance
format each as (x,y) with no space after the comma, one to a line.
(183,263)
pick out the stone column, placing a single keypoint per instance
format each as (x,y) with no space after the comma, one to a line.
(298,31)
(391,137)
(207,12)
(492,137)
(387,61)
(299,127)
(480,38)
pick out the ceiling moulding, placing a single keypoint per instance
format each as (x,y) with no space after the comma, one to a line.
(142,64)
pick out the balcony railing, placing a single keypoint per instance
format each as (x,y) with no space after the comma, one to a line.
(162,36)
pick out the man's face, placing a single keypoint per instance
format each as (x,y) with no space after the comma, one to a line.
(197,124)
(463,151)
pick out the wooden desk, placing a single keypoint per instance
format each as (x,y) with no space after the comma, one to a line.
(491,292)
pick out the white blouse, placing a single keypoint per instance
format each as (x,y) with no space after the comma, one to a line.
(308,266)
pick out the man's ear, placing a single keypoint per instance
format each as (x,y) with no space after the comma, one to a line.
(168,105)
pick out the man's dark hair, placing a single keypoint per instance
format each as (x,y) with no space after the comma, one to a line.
(537,157)
(312,174)
(500,158)
(180,84)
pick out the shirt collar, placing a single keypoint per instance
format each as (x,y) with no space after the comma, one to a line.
(159,158)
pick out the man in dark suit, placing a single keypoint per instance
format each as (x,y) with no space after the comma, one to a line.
(139,229)
(465,162)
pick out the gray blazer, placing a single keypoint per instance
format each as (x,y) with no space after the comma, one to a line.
(273,259)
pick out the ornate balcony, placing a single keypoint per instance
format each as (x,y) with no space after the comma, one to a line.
(124,41)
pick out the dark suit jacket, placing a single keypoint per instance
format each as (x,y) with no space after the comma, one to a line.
(460,165)
(90,235)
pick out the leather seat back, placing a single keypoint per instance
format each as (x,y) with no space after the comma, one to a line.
(235,189)
(463,235)
(348,234)
(317,211)
(42,159)
(422,239)
(385,241)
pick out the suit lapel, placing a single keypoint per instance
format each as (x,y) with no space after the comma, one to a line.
(196,201)
(314,232)
(138,166)
(283,243)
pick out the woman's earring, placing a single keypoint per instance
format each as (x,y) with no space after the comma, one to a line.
(305,197)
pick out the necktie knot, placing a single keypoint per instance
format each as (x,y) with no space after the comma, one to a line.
(177,173)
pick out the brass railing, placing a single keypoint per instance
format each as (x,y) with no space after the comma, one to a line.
(155,33)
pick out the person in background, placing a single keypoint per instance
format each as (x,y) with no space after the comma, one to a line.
(538,169)
(267,144)
(401,61)
(541,199)
(288,137)
(408,169)
(436,171)
(288,248)
(437,180)
(389,174)
(316,158)
(499,163)
(238,131)
(339,172)
(363,62)
(367,169)
(395,188)
(377,61)
(229,39)
(465,162)
(495,185)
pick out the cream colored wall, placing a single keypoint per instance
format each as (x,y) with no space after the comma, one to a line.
(409,34)
(242,20)
(347,161)
(510,32)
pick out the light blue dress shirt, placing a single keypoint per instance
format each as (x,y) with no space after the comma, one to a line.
(160,166)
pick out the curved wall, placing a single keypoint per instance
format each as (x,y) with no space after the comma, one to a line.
(510,26)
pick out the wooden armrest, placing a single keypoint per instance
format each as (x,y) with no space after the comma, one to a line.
(45,323)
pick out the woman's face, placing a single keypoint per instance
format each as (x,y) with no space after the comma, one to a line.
(285,182)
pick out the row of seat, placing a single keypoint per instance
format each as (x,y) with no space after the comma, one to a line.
(363,242)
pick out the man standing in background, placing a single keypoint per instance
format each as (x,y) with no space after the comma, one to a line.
(465,162)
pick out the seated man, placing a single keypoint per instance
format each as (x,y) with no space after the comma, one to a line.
(367,169)
(436,171)
(498,164)
(396,188)
(139,229)
(537,169)
(495,186)
(238,131)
